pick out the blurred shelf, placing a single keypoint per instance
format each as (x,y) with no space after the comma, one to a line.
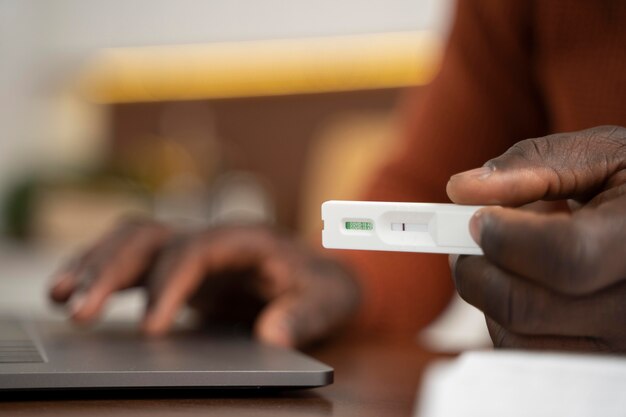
(261,68)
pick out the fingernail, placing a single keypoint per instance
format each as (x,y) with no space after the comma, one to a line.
(278,334)
(153,326)
(475,226)
(61,287)
(149,326)
(77,307)
(476,173)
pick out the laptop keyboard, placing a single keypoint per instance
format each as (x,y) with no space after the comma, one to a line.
(16,346)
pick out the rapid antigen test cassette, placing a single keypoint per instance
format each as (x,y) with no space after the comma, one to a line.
(401,227)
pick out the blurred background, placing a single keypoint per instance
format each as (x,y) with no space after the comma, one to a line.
(198,111)
(193,111)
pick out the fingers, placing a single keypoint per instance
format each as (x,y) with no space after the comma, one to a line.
(305,299)
(79,273)
(572,254)
(115,263)
(573,165)
(524,308)
(293,320)
(176,278)
(284,322)
(549,280)
(65,280)
(186,263)
(297,318)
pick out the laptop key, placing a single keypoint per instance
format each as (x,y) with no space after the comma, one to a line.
(16,345)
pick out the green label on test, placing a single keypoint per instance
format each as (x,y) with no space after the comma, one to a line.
(359,226)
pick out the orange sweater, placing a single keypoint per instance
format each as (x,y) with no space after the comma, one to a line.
(512,69)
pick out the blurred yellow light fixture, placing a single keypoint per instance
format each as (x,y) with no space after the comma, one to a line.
(261,68)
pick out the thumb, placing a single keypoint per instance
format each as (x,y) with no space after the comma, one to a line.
(568,165)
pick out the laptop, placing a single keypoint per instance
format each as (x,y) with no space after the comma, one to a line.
(40,355)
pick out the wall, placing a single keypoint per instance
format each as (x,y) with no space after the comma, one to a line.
(43,43)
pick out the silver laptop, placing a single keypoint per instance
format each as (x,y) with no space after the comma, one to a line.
(36,355)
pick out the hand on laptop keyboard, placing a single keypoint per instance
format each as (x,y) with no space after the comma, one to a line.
(289,294)
(550,281)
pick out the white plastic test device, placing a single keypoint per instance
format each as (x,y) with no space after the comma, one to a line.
(400,227)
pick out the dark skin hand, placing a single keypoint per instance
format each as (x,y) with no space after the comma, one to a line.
(550,281)
(234,275)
